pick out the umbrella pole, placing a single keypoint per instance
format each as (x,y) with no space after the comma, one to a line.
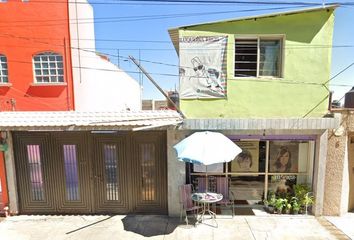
(189,173)
(206,178)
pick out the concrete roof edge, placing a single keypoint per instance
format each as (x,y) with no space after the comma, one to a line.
(302,10)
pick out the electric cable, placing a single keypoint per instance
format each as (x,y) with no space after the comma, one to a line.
(281,81)
(129,18)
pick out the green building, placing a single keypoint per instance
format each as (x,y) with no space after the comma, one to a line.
(263,82)
(273,65)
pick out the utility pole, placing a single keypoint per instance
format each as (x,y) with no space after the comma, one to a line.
(157,86)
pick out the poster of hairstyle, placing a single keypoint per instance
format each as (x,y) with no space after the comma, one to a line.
(248,159)
(283,156)
(282,184)
(202,67)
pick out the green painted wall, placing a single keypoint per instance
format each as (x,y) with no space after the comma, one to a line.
(307,60)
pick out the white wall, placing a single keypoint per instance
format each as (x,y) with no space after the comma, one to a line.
(99,85)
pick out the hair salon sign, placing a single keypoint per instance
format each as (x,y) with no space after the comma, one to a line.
(202,67)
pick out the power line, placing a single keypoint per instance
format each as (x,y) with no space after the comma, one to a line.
(281,81)
(350,65)
(163,49)
(313,109)
(139,17)
(126,58)
(132,19)
(292,46)
(189,2)
(180,2)
(135,19)
(163,74)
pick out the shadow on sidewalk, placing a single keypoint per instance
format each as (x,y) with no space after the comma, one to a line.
(149,226)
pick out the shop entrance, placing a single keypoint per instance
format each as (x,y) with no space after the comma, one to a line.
(264,167)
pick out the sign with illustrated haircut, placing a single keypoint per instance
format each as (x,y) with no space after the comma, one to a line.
(202,71)
(248,159)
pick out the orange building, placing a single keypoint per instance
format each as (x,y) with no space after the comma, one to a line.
(35,56)
(35,61)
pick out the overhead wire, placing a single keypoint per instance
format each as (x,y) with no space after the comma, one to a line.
(193,2)
(280,81)
(179,2)
(162,74)
(292,46)
(132,18)
(340,72)
(234,2)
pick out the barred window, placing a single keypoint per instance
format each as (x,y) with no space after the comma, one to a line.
(4,78)
(258,57)
(48,68)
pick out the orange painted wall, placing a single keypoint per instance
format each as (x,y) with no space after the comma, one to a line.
(27,28)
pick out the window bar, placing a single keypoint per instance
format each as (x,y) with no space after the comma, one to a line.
(70,175)
(150,172)
(36,176)
(147,161)
(108,172)
(115,183)
(111,172)
(31,160)
(74,175)
(116,174)
(67,170)
(33,153)
(71,172)
(144,171)
(258,56)
(266,171)
(110,162)
(146,197)
(31,170)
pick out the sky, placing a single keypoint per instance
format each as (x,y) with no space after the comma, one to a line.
(140,30)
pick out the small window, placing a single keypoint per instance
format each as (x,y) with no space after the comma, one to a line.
(48,68)
(4,78)
(258,57)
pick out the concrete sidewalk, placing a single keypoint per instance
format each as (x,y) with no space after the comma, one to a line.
(162,227)
(344,223)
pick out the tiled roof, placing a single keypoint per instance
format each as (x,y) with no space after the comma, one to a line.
(87,120)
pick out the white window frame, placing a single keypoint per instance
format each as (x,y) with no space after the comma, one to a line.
(280,37)
(53,78)
(2,70)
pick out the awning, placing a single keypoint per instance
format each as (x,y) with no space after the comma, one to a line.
(73,120)
(261,124)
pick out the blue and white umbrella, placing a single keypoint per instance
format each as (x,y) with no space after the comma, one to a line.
(206,148)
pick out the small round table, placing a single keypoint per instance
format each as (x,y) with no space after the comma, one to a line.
(206,199)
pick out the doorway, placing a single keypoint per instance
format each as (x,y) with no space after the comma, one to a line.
(85,173)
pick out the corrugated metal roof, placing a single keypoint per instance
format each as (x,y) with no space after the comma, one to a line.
(87,120)
(174,34)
